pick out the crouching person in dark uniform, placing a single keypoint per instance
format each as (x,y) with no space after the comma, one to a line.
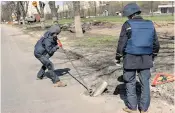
(44,49)
(138,44)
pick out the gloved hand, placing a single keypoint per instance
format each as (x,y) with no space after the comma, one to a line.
(117,62)
(59,43)
(117,59)
(153,56)
(57,47)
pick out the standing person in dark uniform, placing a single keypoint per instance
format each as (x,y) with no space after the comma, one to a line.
(138,45)
(44,49)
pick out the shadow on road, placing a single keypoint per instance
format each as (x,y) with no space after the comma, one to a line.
(121,90)
(59,72)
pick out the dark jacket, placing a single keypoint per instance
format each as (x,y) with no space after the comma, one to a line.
(135,61)
(46,45)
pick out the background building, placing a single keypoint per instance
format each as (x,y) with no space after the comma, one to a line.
(166,8)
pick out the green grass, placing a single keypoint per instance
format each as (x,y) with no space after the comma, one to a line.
(112,19)
(160,18)
(96,41)
(115,19)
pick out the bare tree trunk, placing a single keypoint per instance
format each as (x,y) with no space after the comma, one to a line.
(122,8)
(66,14)
(77,21)
(38,11)
(151,8)
(70,8)
(23,12)
(24,9)
(172,8)
(18,13)
(42,20)
(89,12)
(53,11)
(27,4)
(95,8)
(83,13)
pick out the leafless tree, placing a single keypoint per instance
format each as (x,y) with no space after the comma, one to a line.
(54,10)
(172,8)
(18,8)
(70,8)
(7,8)
(95,5)
(41,13)
(91,7)
(77,20)
(17,11)
(24,9)
(82,9)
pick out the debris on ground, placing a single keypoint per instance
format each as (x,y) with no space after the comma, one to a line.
(162,78)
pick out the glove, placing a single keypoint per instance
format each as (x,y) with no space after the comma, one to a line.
(59,43)
(57,47)
(117,62)
(154,55)
(117,59)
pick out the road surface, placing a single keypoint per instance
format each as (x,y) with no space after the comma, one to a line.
(22,93)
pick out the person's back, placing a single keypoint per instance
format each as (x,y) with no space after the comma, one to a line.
(39,49)
(141,40)
(138,45)
(46,39)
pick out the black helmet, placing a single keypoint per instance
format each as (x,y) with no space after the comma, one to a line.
(130,9)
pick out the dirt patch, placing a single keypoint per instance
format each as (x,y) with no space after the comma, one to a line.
(163,24)
(106,31)
(161,27)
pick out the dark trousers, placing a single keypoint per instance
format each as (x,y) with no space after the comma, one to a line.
(47,64)
(130,79)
